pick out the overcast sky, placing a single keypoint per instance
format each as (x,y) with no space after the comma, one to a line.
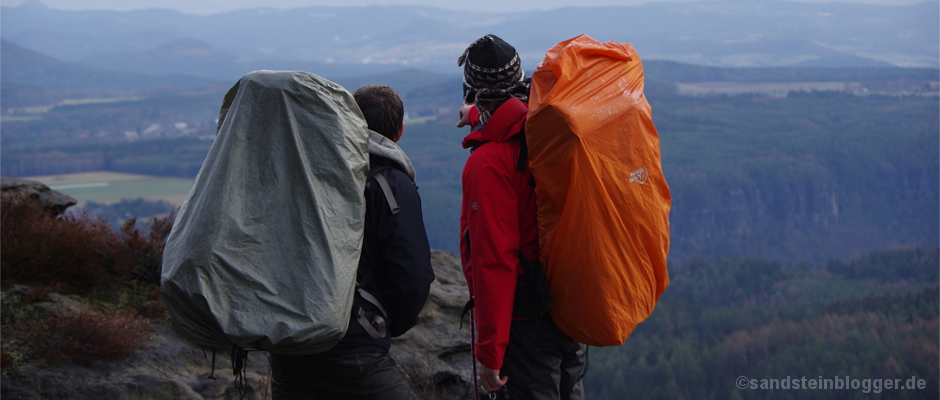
(215,6)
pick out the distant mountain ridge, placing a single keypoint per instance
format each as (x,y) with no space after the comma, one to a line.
(371,40)
(34,79)
(25,66)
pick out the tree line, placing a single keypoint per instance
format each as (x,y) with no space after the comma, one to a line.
(874,317)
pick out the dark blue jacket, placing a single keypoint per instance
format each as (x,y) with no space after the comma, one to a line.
(395,265)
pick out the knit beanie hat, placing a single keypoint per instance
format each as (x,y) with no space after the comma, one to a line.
(492,71)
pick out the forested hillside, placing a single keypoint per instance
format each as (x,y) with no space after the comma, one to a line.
(811,174)
(721,319)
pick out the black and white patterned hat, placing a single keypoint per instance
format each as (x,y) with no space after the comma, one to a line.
(492,71)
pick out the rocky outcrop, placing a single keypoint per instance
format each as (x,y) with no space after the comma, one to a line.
(436,354)
(53,201)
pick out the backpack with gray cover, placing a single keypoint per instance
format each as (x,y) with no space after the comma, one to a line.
(264,251)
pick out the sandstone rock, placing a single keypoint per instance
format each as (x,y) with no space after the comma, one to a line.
(50,200)
(63,304)
(436,354)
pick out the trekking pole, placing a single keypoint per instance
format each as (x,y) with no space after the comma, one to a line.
(473,359)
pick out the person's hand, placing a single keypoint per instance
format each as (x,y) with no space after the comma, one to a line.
(490,379)
(464,110)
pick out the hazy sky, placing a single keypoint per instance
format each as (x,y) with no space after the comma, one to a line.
(215,6)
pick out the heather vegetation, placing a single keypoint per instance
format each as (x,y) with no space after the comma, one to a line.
(115,273)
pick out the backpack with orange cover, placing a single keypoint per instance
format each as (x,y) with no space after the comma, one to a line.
(603,202)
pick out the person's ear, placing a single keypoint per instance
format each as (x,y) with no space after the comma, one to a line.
(400,132)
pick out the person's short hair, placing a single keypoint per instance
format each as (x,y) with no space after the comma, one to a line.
(382,108)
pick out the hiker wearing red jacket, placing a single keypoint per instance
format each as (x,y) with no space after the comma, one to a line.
(520,349)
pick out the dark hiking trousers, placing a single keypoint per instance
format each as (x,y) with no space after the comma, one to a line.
(542,363)
(371,376)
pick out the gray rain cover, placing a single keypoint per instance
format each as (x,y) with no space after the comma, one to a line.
(264,251)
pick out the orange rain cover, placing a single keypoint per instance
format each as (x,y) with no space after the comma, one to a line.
(603,203)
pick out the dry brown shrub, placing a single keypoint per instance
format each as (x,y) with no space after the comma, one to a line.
(146,251)
(76,252)
(86,336)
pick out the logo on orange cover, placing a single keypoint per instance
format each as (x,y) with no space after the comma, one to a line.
(639,176)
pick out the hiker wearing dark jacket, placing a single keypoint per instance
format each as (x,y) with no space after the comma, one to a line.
(394,268)
(518,345)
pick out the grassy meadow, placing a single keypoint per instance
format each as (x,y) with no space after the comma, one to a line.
(110,187)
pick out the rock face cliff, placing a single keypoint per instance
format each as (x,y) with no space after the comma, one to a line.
(436,354)
(734,219)
(804,214)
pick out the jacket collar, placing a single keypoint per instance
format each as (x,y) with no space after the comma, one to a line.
(381,146)
(506,122)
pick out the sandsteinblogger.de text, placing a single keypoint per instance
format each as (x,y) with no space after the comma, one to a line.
(875,385)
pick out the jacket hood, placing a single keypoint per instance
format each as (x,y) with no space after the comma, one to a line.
(506,122)
(381,146)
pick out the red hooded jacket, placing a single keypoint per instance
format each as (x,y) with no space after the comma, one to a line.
(497,224)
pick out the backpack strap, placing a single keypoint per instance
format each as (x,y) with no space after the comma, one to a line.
(523,155)
(374,324)
(375,172)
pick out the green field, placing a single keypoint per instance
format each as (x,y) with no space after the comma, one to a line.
(111,187)
(778,89)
